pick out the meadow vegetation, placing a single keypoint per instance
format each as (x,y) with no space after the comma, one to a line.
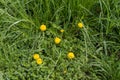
(59,39)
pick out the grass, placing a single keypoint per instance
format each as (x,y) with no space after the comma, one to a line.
(96,46)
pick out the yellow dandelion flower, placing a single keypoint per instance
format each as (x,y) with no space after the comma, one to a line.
(43,27)
(61,30)
(57,40)
(36,56)
(39,61)
(80,25)
(70,55)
